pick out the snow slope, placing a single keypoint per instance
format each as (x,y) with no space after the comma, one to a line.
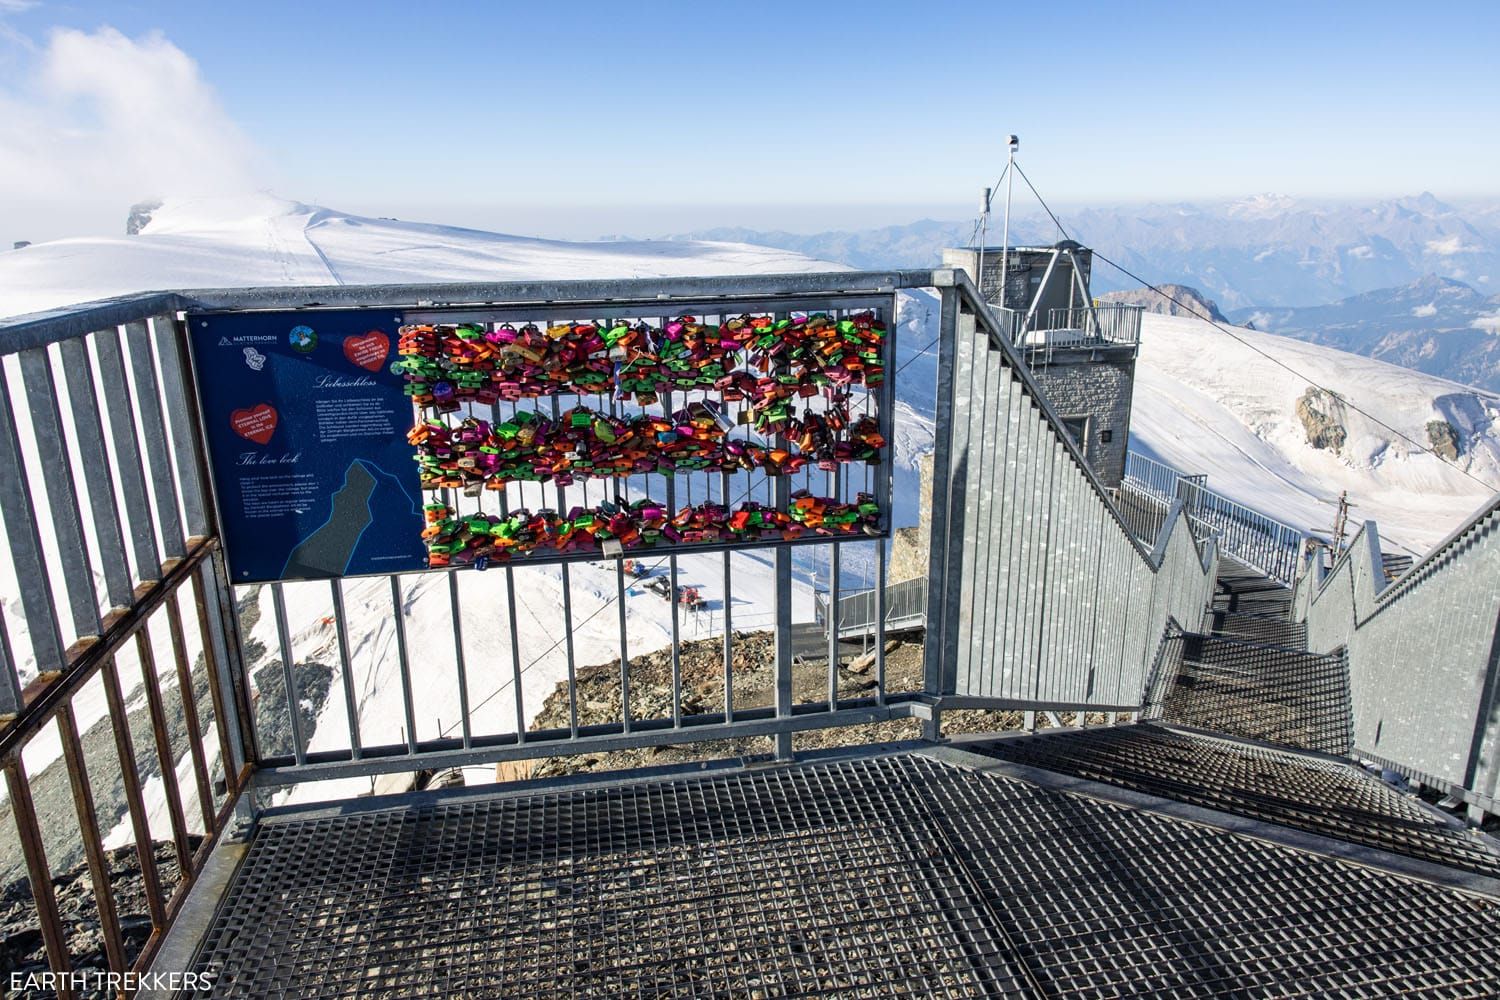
(261,240)
(1207,404)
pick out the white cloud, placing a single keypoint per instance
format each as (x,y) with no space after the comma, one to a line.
(1428,310)
(103,120)
(1489,323)
(1448,246)
(16,6)
(1362,252)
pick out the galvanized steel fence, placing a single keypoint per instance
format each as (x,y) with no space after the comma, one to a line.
(1040,596)
(1255,539)
(132,709)
(1424,653)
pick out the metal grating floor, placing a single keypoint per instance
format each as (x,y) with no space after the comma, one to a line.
(1320,796)
(1260,692)
(877,876)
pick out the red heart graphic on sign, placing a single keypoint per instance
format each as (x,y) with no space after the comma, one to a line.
(368,350)
(255,424)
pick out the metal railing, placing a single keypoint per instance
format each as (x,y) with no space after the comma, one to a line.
(1255,539)
(112,699)
(1036,596)
(1424,653)
(1109,324)
(905,607)
(1039,594)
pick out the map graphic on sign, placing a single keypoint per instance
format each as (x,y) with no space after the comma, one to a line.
(312,470)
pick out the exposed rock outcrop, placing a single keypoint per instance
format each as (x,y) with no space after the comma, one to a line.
(1444,439)
(1189,301)
(140,216)
(1319,412)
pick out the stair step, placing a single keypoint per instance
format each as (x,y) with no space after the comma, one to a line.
(1260,692)
(1273,630)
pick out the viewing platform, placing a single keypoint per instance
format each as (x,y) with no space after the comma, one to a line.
(1138,740)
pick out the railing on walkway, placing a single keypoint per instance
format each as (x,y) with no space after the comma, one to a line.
(1037,595)
(905,608)
(133,712)
(1424,653)
(1111,323)
(1258,540)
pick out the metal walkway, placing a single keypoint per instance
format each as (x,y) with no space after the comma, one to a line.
(1331,798)
(1249,674)
(902,874)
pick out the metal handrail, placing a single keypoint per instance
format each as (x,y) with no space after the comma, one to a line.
(1424,652)
(1256,539)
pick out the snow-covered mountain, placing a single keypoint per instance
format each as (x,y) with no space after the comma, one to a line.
(1435,325)
(1266,250)
(1203,403)
(1245,414)
(261,240)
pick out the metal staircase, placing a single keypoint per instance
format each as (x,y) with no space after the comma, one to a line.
(1249,674)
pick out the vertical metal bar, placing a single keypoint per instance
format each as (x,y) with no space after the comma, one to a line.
(346,672)
(128,455)
(833,606)
(994,588)
(624,647)
(187,445)
(11,698)
(164,757)
(728,626)
(234,676)
(189,698)
(676,653)
(26,545)
(458,662)
(211,657)
(403,661)
(154,431)
(1023,526)
(288,671)
(88,831)
(937,561)
(37,872)
(567,603)
(781,491)
(78,372)
(135,801)
(62,491)
(880,612)
(517,694)
(1005,627)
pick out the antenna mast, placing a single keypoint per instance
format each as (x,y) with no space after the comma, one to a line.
(984,229)
(1014,143)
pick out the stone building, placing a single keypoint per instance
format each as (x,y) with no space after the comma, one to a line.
(1081,352)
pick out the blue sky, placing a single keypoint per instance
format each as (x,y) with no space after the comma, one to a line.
(584,118)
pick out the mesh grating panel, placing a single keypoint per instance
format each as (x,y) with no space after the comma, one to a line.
(782,883)
(1278,695)
(1334,800)
(876,877)
(1104,901)
(1268,629)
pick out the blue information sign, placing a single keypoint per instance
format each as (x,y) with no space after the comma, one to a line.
(306,429)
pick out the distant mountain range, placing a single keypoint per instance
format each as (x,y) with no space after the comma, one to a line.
(1263,251)
(1434,325)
